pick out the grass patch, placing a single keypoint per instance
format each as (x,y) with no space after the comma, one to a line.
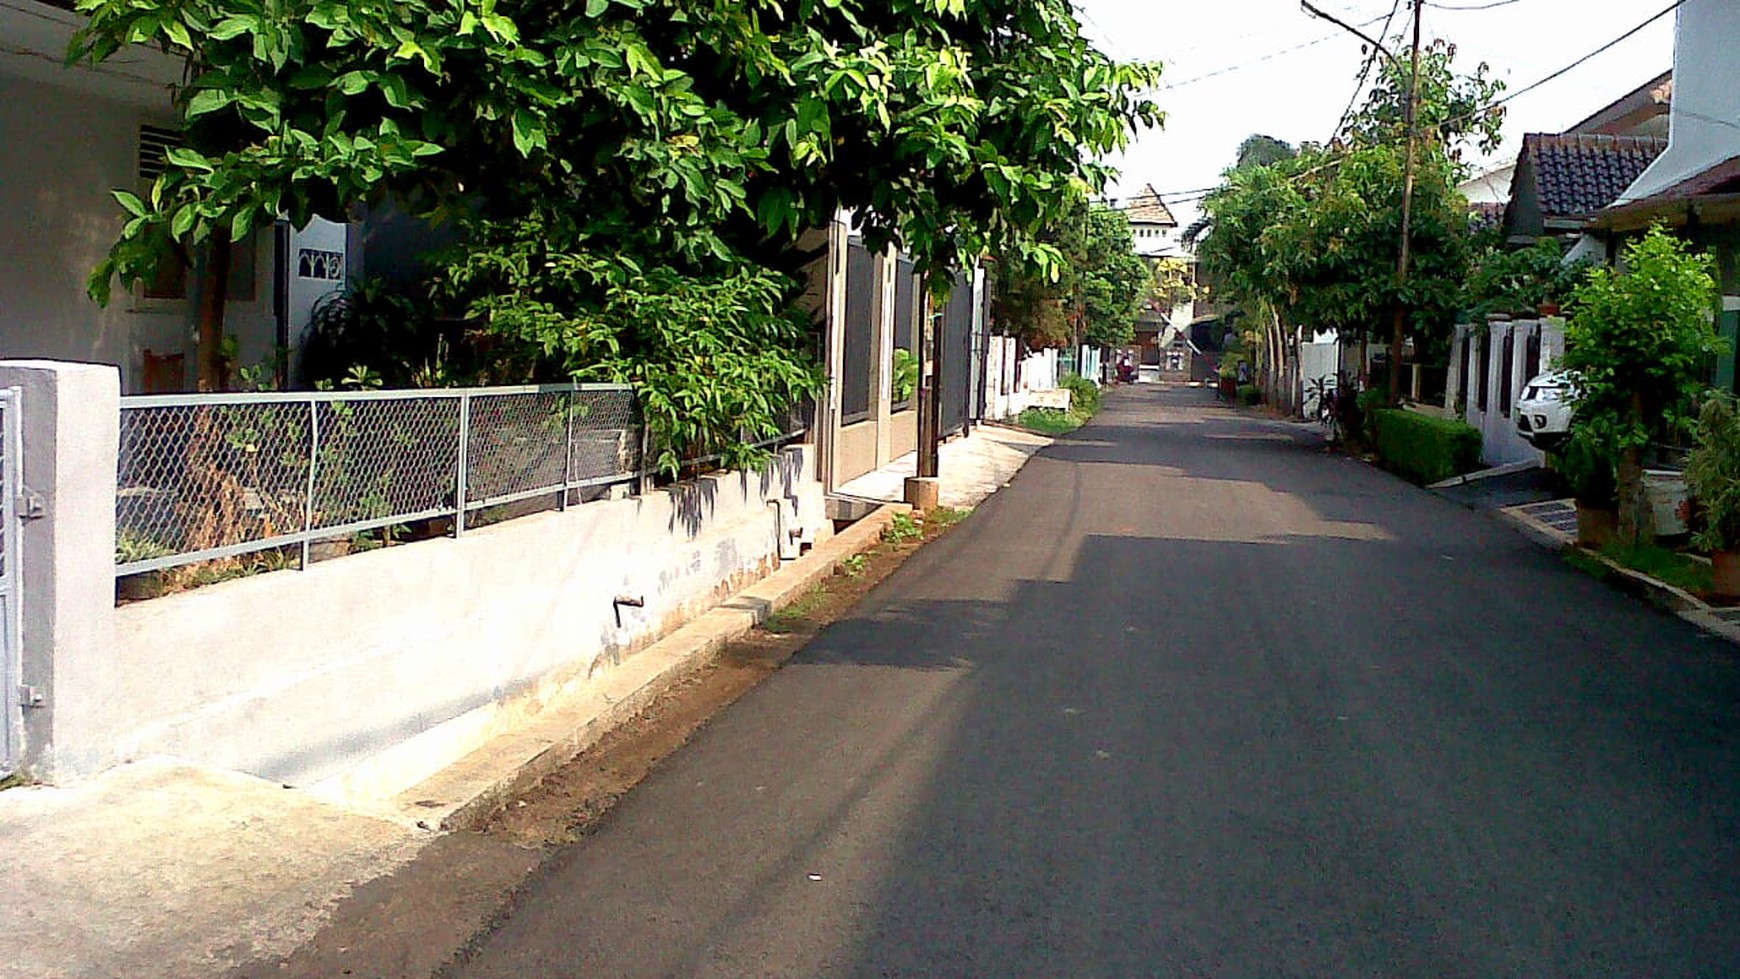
(15,780)
(1661,564)
(1050,421)
(793,617)
(944,517)
(1588,564)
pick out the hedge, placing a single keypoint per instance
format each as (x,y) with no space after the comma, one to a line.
(1426,449)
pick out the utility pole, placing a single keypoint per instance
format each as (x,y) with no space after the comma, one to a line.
(1410,113)
(924,491)
(1410,116)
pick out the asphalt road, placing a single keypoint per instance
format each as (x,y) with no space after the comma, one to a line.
(1190,698)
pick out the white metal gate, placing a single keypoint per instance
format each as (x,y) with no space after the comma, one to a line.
(11,491)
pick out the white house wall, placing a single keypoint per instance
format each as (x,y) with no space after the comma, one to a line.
(1706,101)
(63,151)
(61,154)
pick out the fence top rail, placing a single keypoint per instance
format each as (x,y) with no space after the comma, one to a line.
(194,399)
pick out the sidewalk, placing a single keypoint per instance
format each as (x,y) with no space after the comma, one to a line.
(164,869)
(971,468)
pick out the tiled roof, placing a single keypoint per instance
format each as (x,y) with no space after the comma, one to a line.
(1484,214)
(1148,208)
(1578,174)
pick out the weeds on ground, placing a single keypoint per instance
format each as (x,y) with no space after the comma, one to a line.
(853,566)
(15,780)
(793,616)
(1588,564)
(903,527)
(944,517)
(1661,564)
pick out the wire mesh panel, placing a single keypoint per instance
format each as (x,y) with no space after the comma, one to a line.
(955,373)
(857,379)
(204,477)
(604,437)
(516,445)
(200,477)
(383,460)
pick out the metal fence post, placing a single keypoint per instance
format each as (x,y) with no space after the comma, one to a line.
(464,460)
(645,485)
(313,468)
(568,446)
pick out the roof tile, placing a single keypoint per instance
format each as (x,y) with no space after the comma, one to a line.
(1577,174)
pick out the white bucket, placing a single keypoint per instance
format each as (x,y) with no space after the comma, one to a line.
(1666,492)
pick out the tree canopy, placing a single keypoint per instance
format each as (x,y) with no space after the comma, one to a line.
(637,148)
(1313,237)
(1093,295)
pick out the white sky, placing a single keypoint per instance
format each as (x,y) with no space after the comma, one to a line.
(1299,95)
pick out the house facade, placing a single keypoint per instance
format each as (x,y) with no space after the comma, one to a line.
(73,135)
(1693,187)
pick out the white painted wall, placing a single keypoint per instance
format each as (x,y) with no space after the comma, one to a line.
(1706,100)
(299,676)
(64,149)
(302,676)
(1501,444)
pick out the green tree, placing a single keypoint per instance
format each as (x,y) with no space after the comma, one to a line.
(1259,150)
(644,147)
(1641,340)
(1312,240)
(1093,295)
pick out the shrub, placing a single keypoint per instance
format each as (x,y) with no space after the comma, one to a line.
(1366,405)
(1084,395)
(1250,394)
(1423,448)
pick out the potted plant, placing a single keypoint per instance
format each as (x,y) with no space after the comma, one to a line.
(1713,478)
(1589,471)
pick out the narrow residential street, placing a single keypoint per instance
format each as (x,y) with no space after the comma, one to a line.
(1190,698)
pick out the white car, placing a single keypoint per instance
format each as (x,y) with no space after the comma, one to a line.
(1543,413)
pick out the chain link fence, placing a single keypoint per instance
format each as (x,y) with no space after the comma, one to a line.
(208,477)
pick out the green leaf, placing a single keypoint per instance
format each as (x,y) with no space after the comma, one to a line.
(232,27)
(183,221)
(188,159)
(596,8)
(130,201)
(528,133)
(207,100)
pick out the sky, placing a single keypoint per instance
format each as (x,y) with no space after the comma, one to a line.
(1237,67)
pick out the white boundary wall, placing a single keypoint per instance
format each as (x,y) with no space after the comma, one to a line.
(302,676)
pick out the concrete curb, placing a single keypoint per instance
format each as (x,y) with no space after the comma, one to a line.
(1659,594)
(1509,469)
(468,792)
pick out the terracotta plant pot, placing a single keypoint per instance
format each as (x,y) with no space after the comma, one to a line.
(1725,573)
(1596,525)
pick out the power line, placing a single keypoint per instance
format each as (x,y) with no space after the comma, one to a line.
(1575,64)
(1365,72)
(1482,6)
(1229,69)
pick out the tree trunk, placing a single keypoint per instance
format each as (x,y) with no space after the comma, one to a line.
(213,373)
(1636,519)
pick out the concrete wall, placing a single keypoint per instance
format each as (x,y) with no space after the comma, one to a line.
(407,652)
(1501,443)
(300,676)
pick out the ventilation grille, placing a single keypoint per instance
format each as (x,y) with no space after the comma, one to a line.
(154,142)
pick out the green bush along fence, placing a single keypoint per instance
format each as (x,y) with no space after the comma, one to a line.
(1423,448)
